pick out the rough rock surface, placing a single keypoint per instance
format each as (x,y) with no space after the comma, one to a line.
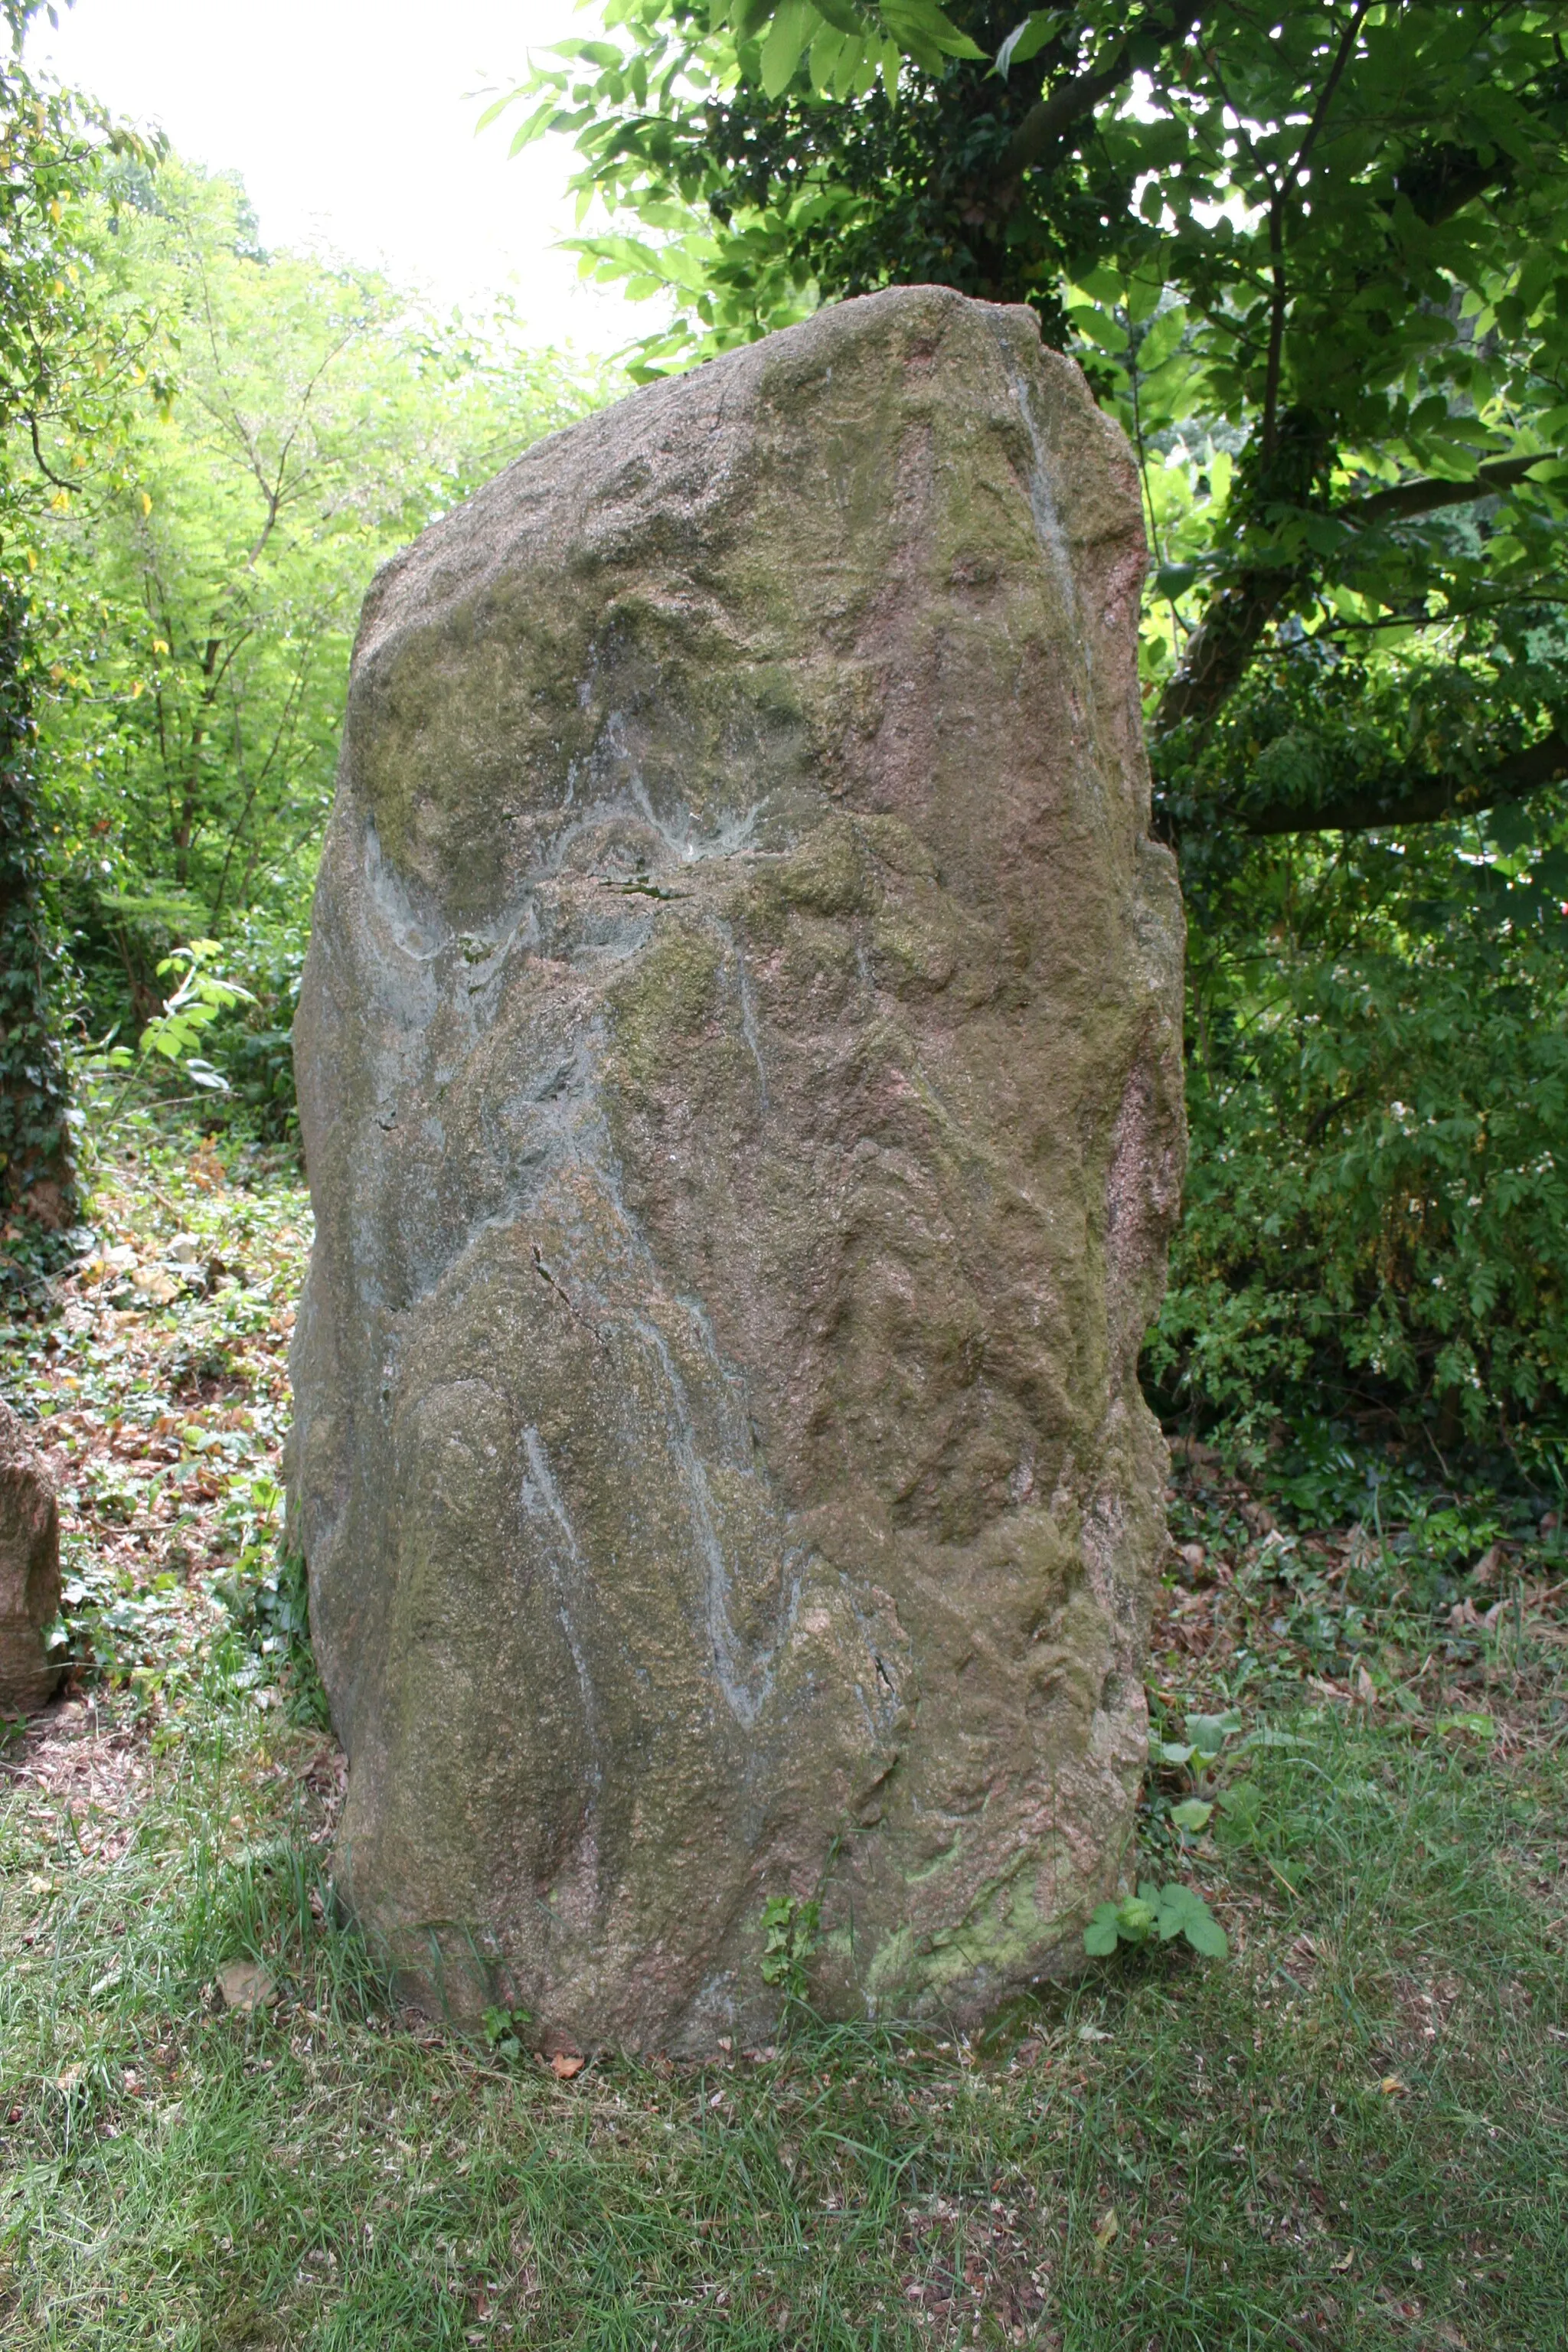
(29,1572)
(738,1065)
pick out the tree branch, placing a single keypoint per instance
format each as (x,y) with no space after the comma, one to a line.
(1222,645)
(1424,800)
(1425,496)
(1047,122)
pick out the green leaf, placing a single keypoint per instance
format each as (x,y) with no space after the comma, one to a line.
(1205,1935)
(1135,1916)
(1182,1911)
(1100,1937)
(922,22)
(1208,1733)
(826,57)
(537,124)
(595,53)
(1100,328)
(1027,40)
(792,27)
(497,108)
(1191,1815)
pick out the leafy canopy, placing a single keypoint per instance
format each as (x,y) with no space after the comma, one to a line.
(197,599)
(1312,258)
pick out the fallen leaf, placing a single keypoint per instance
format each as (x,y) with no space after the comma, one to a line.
(1479,1727)
(155,1284)
(1105,2228)
(1393,2088)
(1365,1688)
(1344,2261)
(1091,2034)
(565,2063)
(245,1986)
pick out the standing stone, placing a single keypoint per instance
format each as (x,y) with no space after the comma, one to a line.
(739,1071)
(29,1572)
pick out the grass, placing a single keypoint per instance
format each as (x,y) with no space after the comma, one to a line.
(1353,2133)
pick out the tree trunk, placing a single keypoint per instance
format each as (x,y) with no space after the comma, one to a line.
(37,1175)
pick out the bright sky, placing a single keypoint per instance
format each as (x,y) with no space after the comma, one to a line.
(352,124)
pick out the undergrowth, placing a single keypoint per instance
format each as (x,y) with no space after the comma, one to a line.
(216,2136)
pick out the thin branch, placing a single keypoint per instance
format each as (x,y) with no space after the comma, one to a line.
(44,466)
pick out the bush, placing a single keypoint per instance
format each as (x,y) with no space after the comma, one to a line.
(1376,1220)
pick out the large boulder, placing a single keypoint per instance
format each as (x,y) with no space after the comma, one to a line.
(29,1572)
(739,1066)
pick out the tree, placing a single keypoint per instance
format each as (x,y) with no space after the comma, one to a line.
(64,381)
(1322,247)
(1313,259)
(316,420)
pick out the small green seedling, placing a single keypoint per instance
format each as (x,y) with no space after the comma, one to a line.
(1206,1735)
(1162,1912)
(504,2030)
(789,1939)
(175,1034)
(1191,1815)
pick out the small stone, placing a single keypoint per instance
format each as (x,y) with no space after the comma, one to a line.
(29,1572)
(245,1986)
